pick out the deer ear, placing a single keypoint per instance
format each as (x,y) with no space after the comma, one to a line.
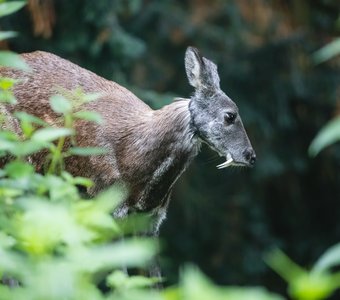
(193,66)
(201,72)
(210,78)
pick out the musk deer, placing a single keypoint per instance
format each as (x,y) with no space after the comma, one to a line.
(146,149)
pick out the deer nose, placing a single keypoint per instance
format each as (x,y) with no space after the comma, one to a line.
(250,156)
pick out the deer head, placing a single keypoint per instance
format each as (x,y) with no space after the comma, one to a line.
(214,116)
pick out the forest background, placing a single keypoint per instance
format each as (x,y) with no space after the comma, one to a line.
(223,221)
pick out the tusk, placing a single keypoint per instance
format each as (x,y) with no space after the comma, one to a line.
(227,163)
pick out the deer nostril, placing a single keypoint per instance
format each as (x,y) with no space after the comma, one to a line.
(252,159)
(250,156)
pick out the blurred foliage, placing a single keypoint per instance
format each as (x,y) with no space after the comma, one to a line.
(330,133)
(266,54)
(319,283)
(327,52)
(7,58)
(53,243)
(194,285)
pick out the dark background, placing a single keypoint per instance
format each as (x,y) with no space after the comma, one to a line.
(222,220)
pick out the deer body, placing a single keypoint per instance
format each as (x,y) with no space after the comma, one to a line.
(146,149)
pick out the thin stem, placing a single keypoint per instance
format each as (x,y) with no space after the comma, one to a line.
(57,156)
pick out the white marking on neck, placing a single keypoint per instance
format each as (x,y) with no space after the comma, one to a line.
(156,177)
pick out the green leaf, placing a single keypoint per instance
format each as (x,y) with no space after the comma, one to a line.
(304,285)
(329,259)
(89,116)
(27,128)
(127,253)
(13,60)
(8,8)
(197,286)
(7,145)
(28,147)
(7,83)
(97,219)
(112,197)
(24,148)
(117,279)
(327,52)
(328,135)
(86,151)
(86,182)
(27,122)
(253,293)
(9,136)
(283,265)
(7,97)
(316,286)
(60,104)
(53,279)
(120,280)
(18,169)
(91,97)
(97,214)
(10,192)
(42,227)
(7,34)
(23,116)
(51,134)
(137,282)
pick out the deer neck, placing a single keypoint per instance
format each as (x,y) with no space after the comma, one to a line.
(160,149)
(173,126)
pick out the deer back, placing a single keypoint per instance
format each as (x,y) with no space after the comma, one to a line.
(117,105)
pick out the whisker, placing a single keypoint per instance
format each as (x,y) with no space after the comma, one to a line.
(212,158)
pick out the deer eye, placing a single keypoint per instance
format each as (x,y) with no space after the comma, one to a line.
(230,117)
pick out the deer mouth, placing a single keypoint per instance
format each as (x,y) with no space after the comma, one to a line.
(229,161)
